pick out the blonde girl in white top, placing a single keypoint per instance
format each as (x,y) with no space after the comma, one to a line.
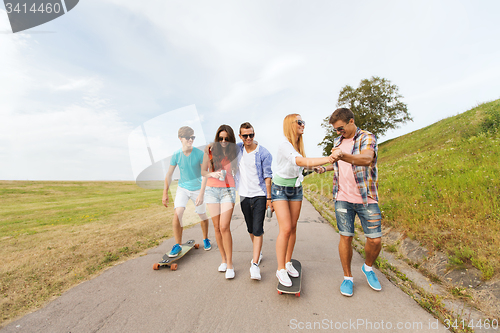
(286,192)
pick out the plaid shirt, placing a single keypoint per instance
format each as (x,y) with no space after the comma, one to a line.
(366,176)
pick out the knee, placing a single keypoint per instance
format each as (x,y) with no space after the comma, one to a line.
(224,229)
(374,241)
(286,231)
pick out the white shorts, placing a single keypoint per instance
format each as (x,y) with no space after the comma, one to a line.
(182,197)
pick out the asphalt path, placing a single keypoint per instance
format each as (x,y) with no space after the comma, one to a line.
(132,297)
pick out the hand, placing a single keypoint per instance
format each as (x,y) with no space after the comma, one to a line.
(199,200)
(215,174)
(164,200)
(269,204)
(336,154)
(319,169)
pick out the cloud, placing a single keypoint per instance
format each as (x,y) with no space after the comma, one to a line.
(272,80)
(72,143)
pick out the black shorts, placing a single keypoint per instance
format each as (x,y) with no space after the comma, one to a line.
(254,210)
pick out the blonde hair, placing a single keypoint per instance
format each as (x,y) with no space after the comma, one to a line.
(290,131)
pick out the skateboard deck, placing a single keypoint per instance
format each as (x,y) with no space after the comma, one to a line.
(167,261)
(296,282)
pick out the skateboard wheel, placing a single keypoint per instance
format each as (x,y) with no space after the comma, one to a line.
(196,246)
(297,294)
(156,266)
(173,267)
(280,293)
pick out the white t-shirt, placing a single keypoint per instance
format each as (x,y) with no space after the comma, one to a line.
(285,162)
(249,180)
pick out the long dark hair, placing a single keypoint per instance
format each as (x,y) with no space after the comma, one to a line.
(230,152)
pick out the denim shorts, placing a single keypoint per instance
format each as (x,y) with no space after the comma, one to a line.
(287,193)
(346,211)
(254,211)
(215,195)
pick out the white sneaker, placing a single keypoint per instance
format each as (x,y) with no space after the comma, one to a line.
(230,273)
(222,267)
(254,272)
(291,270)
(283,277)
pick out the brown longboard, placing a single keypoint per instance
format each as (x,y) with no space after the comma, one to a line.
(296,282)
(167,261)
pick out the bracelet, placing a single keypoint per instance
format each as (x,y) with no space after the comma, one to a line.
(324,169)
(269,198)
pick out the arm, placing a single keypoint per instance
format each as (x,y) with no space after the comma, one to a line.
(204,168)
(310,162)
(268,194)
(199,199)
(364,158)
(168,180)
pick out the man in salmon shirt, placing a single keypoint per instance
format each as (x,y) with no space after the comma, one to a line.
(355,190)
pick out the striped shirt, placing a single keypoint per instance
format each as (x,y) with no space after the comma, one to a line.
(366,176)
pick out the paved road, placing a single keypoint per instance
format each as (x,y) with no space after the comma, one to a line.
(132,297)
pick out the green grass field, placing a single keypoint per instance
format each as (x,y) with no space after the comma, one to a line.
(441,186)
(54,235)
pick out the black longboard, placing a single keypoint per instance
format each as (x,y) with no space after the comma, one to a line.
(296,282)
(167,261)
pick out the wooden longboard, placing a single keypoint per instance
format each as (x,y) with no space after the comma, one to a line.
(296,282)
(167,261)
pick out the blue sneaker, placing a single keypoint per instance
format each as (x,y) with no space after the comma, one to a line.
(346,288)
(175,251)
(206,244)
(372,279)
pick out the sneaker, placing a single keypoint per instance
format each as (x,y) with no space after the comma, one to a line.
(346,288)
(222,267)
(372,279)
(254,272)
(291,270)
(175,251)
(206,244)
(230,273)
(283,277)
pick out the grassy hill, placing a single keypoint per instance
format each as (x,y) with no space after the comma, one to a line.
(441,186)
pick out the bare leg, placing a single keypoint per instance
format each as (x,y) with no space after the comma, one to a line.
(345,252)
(372,250)
(282,210)
(204,225)
(257,247)
(177,224)
(214,210)
(295,207)
(225,230)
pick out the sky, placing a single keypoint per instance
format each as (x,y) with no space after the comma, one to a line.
(75,90)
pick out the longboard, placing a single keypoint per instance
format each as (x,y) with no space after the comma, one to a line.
(167,261)
(296,282)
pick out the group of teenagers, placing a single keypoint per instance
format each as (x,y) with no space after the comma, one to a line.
(212,177)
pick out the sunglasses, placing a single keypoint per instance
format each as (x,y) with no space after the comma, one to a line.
(248,135)
(220,139)
(189,137)
(339,129)
(301,122)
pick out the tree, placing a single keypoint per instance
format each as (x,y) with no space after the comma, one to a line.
(376,105)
